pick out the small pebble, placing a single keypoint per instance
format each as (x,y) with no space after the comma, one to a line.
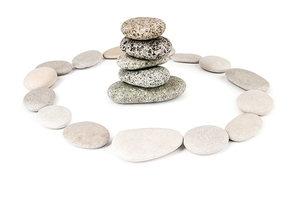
(214,64)
(186,58)
(113,53)
(87,59)
(38,98)
(43,77)
(61,67)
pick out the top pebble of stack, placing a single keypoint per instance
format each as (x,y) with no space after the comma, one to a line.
(143,28)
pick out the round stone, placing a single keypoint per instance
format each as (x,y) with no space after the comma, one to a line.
(243,127)
(214,64)
(61,67)
(146,49)
(137,145)
(247,80)
(87,59)
(143,28)
(128,62)
(205,140)
(255,101)
(54,116)
(38,98)
(148,78)
(113,53)
(186,58)
(86,135)
(40,78)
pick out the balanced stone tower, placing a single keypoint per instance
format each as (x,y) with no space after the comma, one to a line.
(142,79)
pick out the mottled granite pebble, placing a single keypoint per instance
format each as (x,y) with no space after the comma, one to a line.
(113,53)
(146,49)
(255,101)
(214,64)
(87,59)
(247,80)
(186,58)
(86,135)
(121,92)
(128,62)
(147,78)
(61,67)
(143,28)
(38,98)
(205,140)
(40,78)
(137,145)
(243,127)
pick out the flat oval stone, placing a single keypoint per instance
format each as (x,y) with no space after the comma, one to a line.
(243,127)
(113,53)
(214,64)
(38,98)
(137,145)
(121,92)
(87,59)
(43,77)
(247,80)
(205,140)
(54,116)
(61,67)
(146,49)
(86,135)
(186,58)
(143,28)
(255,101)
(128,62)
(148,78)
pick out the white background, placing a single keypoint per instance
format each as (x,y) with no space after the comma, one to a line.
(254,35)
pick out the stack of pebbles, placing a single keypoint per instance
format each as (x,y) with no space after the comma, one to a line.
(142,79)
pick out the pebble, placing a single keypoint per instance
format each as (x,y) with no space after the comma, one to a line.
(87,59)
(146,49)
(137,145)
(147,78)
(86,135)
(40,77)
(143,28)
(38,98)
(54,116)
(128,62)
(186,58)
(113,53)
(243,127)
(247,80)
(214,64)
(255,101)
(61,67)
(205,140)
(124,93)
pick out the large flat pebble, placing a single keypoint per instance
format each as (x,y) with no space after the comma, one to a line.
(186,58)
(214,64)
(43,77)
(38,98)
(61,67)
(87,59)
(113,53)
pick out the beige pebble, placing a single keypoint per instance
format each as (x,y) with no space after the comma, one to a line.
(214,64)
(38,98)
(113,53)
(87,59)
(40,77)
(186,58)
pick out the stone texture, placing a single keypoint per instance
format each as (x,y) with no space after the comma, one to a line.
(113,53)
(206,140)
(40,78)
(124,93)
(148,78)
(61,67)
(243,127)
(143,28)
(186,58)
(86,135)
(38,98)
(146,49)
(172,52)
(255,101)
(87,59)
(145,144)
(214,64)
(247,80)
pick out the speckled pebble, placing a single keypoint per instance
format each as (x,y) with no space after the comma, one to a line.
(87,59)
(137,145)
(86,135)
(40,78)
(38,98)
(61,67)
(121,92)
(214,64)
(205,140)
(186,58)
(113,53)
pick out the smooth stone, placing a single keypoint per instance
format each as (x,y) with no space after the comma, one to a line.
(147,78)
(87,59)
(186,58)
(146,49)
(243,127)
(128,62)
(86,135)
(214,64)
(247,80)
(137,145)
(205,140)
(143,28)
(172,52)
(38,98)
(255,101)
(61,67)
(121,92)
(43,77)
(113,53)
(54,116)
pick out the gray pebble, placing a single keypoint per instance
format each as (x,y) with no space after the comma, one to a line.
(113,53)
(186,58)
(40,78)
(87,59)
(38,98)
(214,64)
(61,67)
